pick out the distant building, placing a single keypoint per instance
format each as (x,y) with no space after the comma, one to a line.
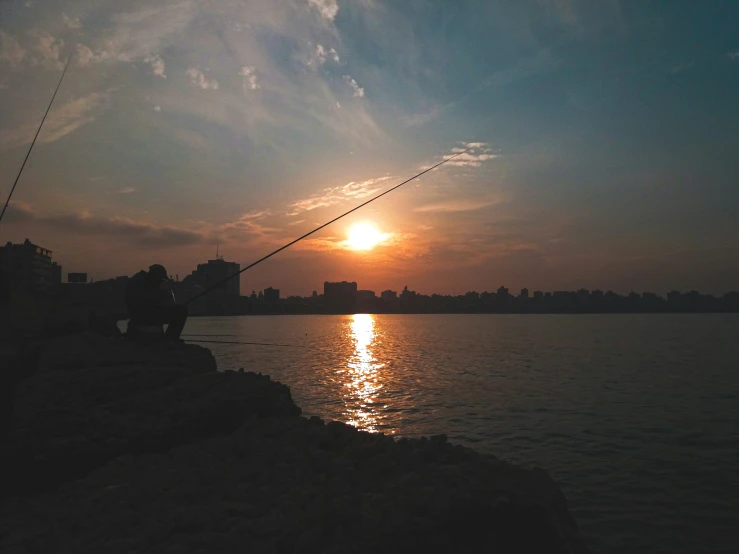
(271,295)
(29,266)
(389,295)
(366,301)
(76,277)
(223,299)
(340,298)
(207,275)
(502,292)
(524,293)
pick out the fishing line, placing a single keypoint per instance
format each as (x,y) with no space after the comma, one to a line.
(247,343)
(205,335)
(12,190)
(260,260)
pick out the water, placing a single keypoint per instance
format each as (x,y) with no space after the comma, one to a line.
(636,416)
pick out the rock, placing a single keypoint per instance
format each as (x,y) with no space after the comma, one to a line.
(88,350)
(158,454)
(68,422)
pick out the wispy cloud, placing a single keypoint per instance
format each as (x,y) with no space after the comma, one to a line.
(86,57)
(61,122)
(357,91)
(199,79)
(127,190)
(157,65)
(327,8)
(46,50)
(141,233)
(734,55)
(458,205)
(11,51)
(331,196)
(479,153)
(71,22)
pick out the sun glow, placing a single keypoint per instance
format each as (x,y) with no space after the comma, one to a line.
(364,236)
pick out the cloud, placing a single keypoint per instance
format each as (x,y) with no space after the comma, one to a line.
(322,54)
(61,121)
(258,214)
(413,120)
(457,206)
(157,108)
(86,57)
(10,51)
(250,78)
(47,49)
(157,65)
(19,212)
(541,62)
(141,233)
(327,8)
(137,33)
(356,89)
(71,22)
(199,79)
(734,55)
(331,196)
(248,225)
(479,153)
(126,190)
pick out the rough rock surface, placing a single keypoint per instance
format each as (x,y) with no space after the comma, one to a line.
(191,461)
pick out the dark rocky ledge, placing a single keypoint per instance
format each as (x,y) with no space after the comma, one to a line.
(121,447)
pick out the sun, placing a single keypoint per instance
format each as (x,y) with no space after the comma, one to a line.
(364,236)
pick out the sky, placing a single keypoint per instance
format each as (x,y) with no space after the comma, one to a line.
(603,140)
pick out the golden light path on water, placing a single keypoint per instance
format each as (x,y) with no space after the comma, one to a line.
(365,376)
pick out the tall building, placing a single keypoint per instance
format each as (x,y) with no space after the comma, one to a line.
(389,295)
(271,295)
(207,275)
(29,266)
(340,298)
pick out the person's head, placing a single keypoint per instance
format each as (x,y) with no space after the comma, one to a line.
(157,273)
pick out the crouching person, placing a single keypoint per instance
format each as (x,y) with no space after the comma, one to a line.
(151,304)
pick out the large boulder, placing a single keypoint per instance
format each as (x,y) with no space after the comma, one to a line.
(76,414)
(123,447)
(297,485)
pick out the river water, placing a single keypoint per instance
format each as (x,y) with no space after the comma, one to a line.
(635,416)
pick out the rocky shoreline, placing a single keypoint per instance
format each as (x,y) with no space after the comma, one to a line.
(122,447)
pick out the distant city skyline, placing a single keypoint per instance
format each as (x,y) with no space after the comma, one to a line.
(602,133)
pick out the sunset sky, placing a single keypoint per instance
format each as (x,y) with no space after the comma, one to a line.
(604,136)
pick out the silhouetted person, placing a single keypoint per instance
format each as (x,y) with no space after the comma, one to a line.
(150,304)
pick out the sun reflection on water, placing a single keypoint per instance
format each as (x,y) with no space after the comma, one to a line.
(364,376)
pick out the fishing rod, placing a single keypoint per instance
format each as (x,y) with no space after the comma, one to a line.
(12,190)
(260,260)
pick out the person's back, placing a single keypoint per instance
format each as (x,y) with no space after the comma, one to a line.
(148,304)
(138,294)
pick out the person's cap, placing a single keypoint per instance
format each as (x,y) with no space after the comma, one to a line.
(157,271)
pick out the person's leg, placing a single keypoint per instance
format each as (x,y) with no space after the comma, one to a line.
(177,316)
